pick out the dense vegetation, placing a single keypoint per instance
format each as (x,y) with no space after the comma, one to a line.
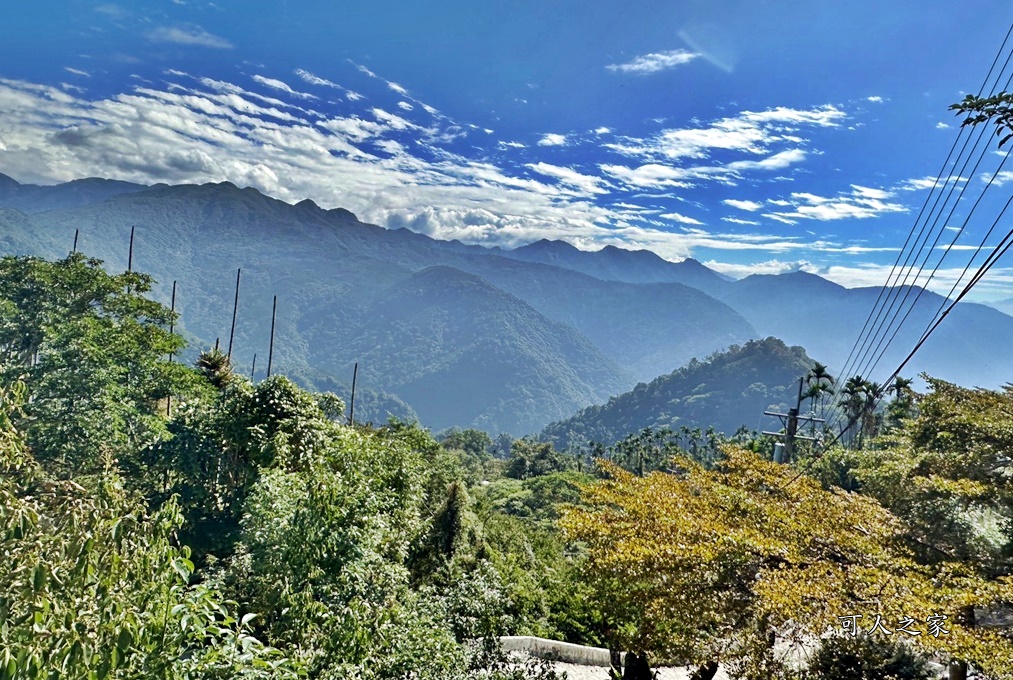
(174,521)
(727,391)
(248,533)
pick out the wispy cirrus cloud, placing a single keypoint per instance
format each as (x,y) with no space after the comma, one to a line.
(588,184)
(752,132)
(860,203)
(654,62)
(655,176)
(313,79)
(283,87)
(77,72)
(681,219)
(189,35)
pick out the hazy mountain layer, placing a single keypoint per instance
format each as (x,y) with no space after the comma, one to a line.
(333,275)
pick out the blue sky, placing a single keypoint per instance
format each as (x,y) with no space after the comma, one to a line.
(754,136)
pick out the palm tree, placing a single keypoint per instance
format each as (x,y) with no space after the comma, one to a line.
(870,425)
(819,377)
(901,407)
(215,366)
(854,400)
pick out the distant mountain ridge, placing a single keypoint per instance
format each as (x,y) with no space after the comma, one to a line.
(335,277)
(616,264)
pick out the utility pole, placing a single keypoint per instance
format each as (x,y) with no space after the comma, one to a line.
(351,407)
(76,231)
(130,252)
(235,311)
(270,347)
(790,420)
(172,328)
(130,257)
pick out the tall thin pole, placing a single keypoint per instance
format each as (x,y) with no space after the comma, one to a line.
(351,407)
(235,310)
(217,342)
(253,371)
(172,327)
(270,350)
(76,231)
(172,315)
(130,253)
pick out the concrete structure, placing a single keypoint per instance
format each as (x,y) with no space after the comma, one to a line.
(556,651)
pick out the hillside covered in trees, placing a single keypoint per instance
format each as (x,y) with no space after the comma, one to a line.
(727,391)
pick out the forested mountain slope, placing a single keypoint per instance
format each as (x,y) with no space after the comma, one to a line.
(728,390)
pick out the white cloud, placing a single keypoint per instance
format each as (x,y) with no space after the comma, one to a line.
(751,206)
(681,219)
(859,203)
(752,132)
(552,139)
(397,88)
(283,87)
(1001,178)
(602,130)
(736,220)
(874,99)
(920,183)
(405,106)
(513,145)
(207,130)
(394,121)
(587,184)
(942,126)
(998,280)
(654,62)
(77,71)
(654,175)
(313,79)
(739,271)
(190,35)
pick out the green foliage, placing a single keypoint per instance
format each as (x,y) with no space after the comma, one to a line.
(473,442)
(529,458)
(726,390)
(867,658)
(947,473)
(92,351)
(995,109)
(93,587)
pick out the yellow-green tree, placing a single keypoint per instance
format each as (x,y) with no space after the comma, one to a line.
(708,566)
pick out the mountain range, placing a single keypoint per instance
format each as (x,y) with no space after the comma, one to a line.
(503,340)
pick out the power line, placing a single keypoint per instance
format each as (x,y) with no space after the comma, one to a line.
(894,269)
(868,349)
